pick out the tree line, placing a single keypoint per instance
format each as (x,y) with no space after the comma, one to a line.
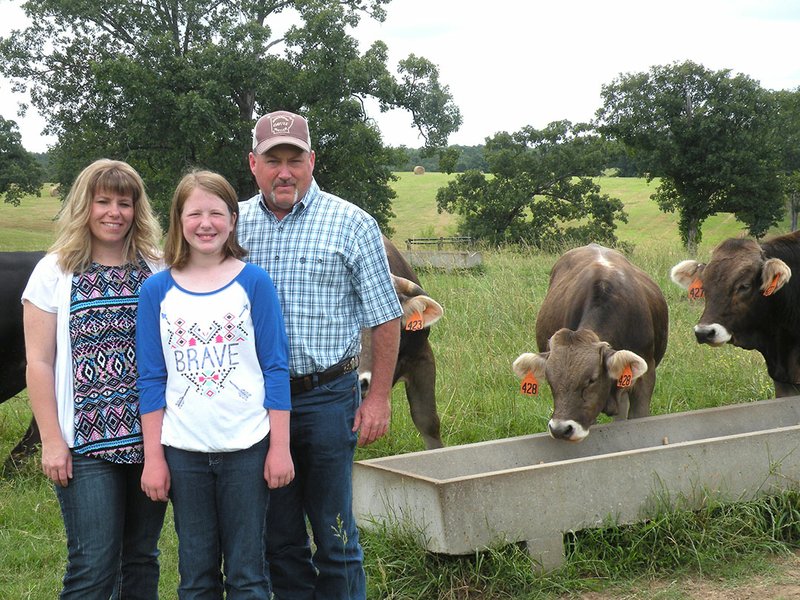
(718,142)
(170,87)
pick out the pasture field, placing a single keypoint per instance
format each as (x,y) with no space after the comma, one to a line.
(488,321)
(416,214)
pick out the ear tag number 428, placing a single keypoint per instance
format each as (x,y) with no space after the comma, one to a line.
(626,379)
(529,385)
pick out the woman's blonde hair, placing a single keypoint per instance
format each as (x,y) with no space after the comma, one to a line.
(176,248)
(73,237)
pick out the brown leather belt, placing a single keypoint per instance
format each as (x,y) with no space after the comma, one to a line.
(306,383)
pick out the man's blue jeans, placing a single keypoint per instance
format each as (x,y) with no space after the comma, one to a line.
(112,532)
(219,501)
(323,446)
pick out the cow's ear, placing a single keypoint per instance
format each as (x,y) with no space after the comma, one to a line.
(686,272)
(774,275)
(406,287)
(426,306)
(617,361)
(530,362)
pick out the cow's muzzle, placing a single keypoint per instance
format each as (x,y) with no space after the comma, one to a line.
(566,430)
(713,335)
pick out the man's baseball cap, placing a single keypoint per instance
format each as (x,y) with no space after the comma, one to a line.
(280,127)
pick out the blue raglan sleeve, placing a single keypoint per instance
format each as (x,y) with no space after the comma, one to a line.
(152,379)
(272,345)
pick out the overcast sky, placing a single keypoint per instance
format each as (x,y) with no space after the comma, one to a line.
(512,63)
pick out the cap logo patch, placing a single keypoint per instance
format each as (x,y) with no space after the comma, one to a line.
(281,124)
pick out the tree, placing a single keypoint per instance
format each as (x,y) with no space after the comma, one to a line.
(791,187)
(170,86)
(788,103)
(708,135)
(20,172)
(540,191)
(462,157)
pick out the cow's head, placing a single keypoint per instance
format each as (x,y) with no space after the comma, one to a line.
(584,374)
(420,311)
(738,284)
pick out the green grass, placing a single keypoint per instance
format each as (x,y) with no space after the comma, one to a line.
(415,208)
(29,226)
(489,320)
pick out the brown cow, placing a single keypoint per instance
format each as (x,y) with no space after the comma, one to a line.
(751,301)
(601,331)
(416,365)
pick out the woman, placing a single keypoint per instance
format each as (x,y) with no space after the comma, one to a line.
(214,381)
(80,315)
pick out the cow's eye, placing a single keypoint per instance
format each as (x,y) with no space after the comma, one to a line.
(743,288)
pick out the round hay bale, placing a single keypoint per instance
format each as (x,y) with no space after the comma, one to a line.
(55,190)
(419,170)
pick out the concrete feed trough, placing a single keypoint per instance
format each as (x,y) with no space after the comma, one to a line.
(533,489)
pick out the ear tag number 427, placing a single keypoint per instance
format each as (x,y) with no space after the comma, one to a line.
(696,291)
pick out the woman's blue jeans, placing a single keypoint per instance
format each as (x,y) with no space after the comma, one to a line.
(112,532)
(323,446)
(219,501)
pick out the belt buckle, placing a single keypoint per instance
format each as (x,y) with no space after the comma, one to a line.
(350,365)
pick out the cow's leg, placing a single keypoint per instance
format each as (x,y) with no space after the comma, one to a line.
(25,448)
(421,393)
(785,389)
(641,394)
(623,403)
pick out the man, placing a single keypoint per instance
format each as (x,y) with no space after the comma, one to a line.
(327,260)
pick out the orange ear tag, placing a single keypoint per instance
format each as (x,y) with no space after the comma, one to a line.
(529,385)
(771,288)
(626,379)
(415,322)
(696,290)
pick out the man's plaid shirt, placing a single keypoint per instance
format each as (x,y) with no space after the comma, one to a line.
(329,267)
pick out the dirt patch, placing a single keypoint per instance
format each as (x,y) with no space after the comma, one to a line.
(782,582)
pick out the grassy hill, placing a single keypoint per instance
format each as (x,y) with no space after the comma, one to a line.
(30,225)
(416,214)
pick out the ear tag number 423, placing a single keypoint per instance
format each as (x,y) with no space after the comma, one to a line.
(415,322)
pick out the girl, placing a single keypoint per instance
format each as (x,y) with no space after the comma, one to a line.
(79,315)
(214,385)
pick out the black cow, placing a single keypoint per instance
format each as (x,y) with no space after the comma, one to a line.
(15,269)
(416,365)
(601,331)
(751,301)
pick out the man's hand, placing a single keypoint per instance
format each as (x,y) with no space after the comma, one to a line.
(372,418)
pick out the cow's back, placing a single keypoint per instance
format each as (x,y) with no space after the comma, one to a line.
(15,269)
(593,287)
(410,340)
(398,265)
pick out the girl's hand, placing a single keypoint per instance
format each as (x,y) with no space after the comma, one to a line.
(156,480)
(278,468)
